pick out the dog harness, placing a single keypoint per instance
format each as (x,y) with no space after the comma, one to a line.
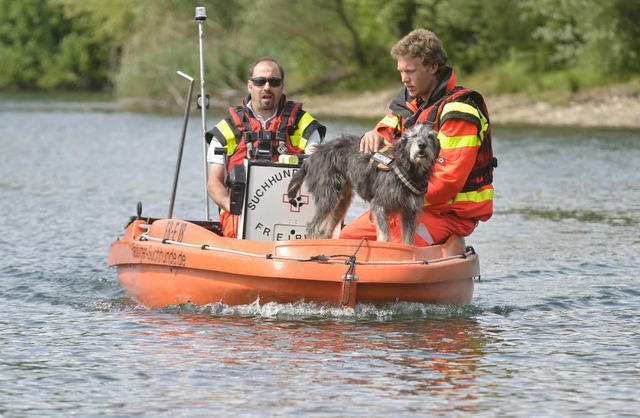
(384,160)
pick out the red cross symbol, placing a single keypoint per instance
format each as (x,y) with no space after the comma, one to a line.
(295,204)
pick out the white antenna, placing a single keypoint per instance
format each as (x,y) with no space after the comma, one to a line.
(203,102)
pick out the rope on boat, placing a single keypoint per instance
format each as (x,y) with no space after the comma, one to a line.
(349,277)
(321,258)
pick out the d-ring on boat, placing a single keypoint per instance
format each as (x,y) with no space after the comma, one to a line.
(165,261)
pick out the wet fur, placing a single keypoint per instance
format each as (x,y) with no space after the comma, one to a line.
(337,170)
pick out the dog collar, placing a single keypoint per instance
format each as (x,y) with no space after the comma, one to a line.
(384,159)
(410,185)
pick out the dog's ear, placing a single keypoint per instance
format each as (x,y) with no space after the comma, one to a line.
(423,130)
(414,131)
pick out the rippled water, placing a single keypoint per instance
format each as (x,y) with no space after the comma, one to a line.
(552,330)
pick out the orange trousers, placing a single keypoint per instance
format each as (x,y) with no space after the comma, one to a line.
(433,228)
(229,224)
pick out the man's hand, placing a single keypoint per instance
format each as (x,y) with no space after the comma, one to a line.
(370,142)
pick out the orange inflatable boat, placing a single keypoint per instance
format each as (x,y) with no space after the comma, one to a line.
(167,262)
(162,262)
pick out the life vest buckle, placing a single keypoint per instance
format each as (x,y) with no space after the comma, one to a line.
(265,136)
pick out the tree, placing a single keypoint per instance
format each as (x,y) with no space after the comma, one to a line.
(40,48)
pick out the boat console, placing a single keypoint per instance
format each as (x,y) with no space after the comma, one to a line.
(260,194)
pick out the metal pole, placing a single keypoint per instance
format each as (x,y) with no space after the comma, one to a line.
(201,16)
(184,134)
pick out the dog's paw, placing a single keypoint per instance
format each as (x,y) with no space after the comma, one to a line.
(296,202)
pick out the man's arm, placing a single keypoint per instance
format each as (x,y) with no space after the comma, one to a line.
(216,188)
(460,145)
(312,143)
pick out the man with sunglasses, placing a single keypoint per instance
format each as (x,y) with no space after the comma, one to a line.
(265,126)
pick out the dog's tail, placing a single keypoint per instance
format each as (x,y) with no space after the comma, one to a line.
(296,182)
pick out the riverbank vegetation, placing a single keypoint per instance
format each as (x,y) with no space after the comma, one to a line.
(544,48)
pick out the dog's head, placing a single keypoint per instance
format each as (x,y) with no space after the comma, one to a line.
(422,145)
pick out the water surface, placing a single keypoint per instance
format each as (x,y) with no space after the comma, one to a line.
(552,329)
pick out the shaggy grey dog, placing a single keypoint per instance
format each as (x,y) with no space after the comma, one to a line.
(337,169)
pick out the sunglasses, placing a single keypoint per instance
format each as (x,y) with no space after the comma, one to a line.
(261,81)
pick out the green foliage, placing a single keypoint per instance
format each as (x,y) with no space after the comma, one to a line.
(330,39)
(325,45)
(600,36)
(41,48)
(166,40)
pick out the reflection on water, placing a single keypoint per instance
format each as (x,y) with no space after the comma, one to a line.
(414,358)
